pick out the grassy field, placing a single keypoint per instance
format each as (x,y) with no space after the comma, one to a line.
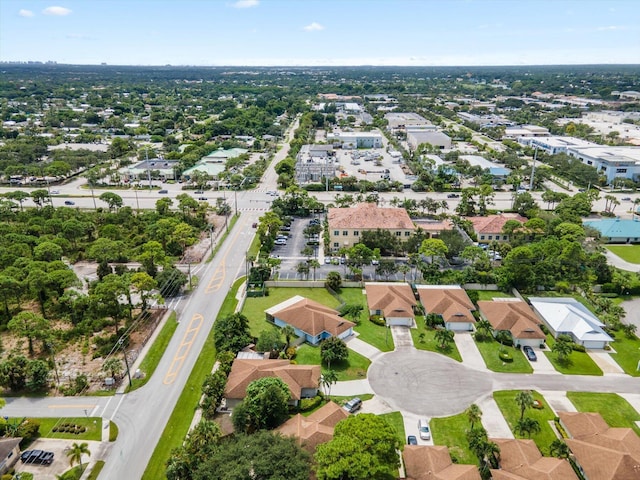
(428,343)
(395,420)
(376,335)
(490,350)
(627,353)
(452,432)
(355,368)
(629,253)
(615,410)
(153,356)
(511,412)
(490,295)
(580,362)
(92,424)
(179,421)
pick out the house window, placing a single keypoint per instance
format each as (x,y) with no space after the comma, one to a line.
(356,233)
(336,244)
(398,234)
(481,237)
(345,233)
(489,237)
(621,170)
(336,233)
(407,234)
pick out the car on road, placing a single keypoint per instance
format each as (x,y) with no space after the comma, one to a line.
(69,202)
(199,192)
(423,429)
(625,199)
(531,355)
(280,241)
(353,405)
(254,225)
(453,195)
(412,440)
(163,191)
(57,192)
(327,260)
(203,199)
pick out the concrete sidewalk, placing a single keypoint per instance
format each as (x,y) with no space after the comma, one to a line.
(492,419)
(558,401)
(363,348)
(469,352)
(633,399)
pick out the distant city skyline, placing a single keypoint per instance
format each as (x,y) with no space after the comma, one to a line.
(321,32)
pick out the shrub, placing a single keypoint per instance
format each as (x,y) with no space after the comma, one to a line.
(291,353)
(563,287)
(378,320)
(578,348)
(505,356)
(307,404)
(544,329)
(28,429)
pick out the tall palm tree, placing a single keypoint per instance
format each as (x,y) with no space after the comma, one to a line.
(524,399)
(328,378)
(288,332)
(75,453)
(474,414)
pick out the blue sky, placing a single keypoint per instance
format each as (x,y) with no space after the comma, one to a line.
(321,32)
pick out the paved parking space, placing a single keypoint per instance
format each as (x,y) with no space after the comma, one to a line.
(402,337)
(60,460)
(411,427)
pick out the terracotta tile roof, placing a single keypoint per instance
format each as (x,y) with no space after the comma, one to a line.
(297,377)
(494,223)
(603,452)
(452,303)
(523,460)
(310,317)
(393,299)
(515,316)
(368,216)
(315,429)
(422,462)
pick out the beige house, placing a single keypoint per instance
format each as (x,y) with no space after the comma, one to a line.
(9,453)
(521,460)
(515,317)
(394,301)
(423,462)
(347,224)
(489,228)
(315,429)
(451,302)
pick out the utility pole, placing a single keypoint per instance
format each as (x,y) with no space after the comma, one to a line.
(533,169)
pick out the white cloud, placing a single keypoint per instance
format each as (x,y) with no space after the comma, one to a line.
(611,28)
(245,3)
(313,27)
(56,11)
(25,13)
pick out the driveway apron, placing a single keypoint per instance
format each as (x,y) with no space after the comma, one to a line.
(492,419)
(607,364)
(401,337)
(558,401)
(469,352)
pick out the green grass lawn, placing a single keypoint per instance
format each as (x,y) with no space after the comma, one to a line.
(511,412)
(376,335)
(355,368)
(428,343)
(490,350)
(92,424)
(153,356)
(96,470)
(627,353)
(452,432)
(580,362)
(615,410)
(72,474)
(490,294)
(629,253)
(395,420)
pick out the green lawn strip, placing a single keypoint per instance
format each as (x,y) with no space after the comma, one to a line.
(92,424)
(490,353)
(95,472)
(627,353)
(580,362)
(72,474)
(452,432)
(355,368)
(180,419)
(342,400)
(113,432)
(25,476)
(153,356)
(629,253)
(511,412)
(254,248)
(396,421)
(615,410)
(428,342)
(224,236)
(376,335)
(491,294)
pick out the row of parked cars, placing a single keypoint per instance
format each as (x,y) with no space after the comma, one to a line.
(39,457)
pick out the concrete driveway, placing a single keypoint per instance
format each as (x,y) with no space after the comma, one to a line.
(632,309)
(469,352)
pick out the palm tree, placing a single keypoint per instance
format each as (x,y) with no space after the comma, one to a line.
(474,414)
(444,337)
(524,399)
(288,332)
(559,449)
(328,378)
(75,453)
(562,349)
(484,328)
(527,426)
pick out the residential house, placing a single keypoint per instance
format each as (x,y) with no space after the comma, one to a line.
(489,228)
(310,320)
(302,380)
(9,453)
(394,301)
(601,452)
(565,315)
(315,429)
(521,460)
(616,230)
(347,224)
(515,317)
(450,302)
(423,462)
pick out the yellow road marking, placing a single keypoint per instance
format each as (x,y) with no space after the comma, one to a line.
(183,350)
(71,406)
(219,275)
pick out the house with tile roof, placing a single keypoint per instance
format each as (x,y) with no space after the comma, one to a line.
(565,315)
(347,224)
(616,230)
(513,316)
(424,462)
(394,301)
(489,228)
(315,429)
(302,380)
(451,302)
(521,460)
(311,320)
(601,452)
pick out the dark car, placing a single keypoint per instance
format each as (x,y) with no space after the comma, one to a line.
(69,202)
(528,351)
(353,405)
(198,192)
(30,456)
(254,225)
(163,191)
(412,440)
(203,199)
(45,458)
(453,195)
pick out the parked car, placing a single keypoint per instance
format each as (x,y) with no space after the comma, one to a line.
(45,458)
(353,405)
(626,199)
(423,429)
(57,192)
(203,199)
(69,202)
(531,355)
(37,456)
(327,260)
(453,195)
(412,440)
(280,241)
(163,191)
(199,192)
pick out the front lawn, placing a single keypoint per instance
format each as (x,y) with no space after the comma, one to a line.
(629,253)
(490,350)
(490,294)
(395,420)
(424,339)
(615,410)
(452,432)
(93,426)
(580,363)
(511,411)
(355,368)
(627,353)
(376,335)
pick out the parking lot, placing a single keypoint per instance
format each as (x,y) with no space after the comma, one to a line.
(60,460)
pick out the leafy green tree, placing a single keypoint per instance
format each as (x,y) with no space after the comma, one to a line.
(333,281)
(143,283)
(13,372)
(444,338)
(270,341)
(433,248)
(47,252)
(352,311)
(231,333)
(333,349)
(31,326)
(265,405)
(113,200)
(19,196)
(527,426)
(524,399)
(562,348)
(113,366)
(76,452)
(38,375)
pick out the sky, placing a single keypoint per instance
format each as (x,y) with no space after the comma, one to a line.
(321,32)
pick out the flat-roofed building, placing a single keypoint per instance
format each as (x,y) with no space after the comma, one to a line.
(350,140)
(315,163)
(437,139)
(527,131)
(611,162)
(402,120)
(555,144)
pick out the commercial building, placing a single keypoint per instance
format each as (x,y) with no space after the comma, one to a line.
(611,162)
(349,140)
(416,137)
(314,163)
(616,230)
(555,144)
(527,131)
(402,120)
(214,163)
(154,168)
(489,228)
(495,170)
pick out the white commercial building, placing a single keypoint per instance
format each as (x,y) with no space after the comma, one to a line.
(350,140)
(437,139)
(555,144)
(526,131)
(612,162)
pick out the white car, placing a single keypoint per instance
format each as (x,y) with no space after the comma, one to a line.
(55,192)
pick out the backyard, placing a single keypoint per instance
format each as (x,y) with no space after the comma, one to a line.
(490,294)
(615,410)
